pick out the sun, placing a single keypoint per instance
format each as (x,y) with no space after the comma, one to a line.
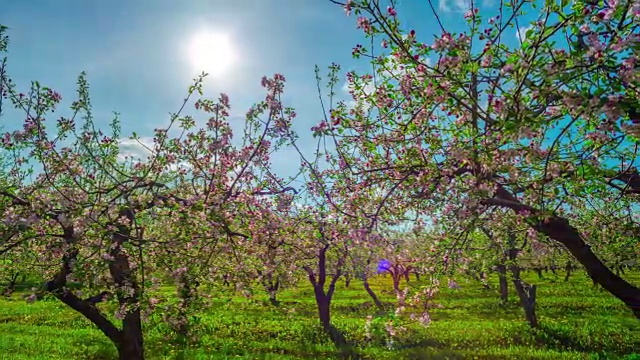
(211,52)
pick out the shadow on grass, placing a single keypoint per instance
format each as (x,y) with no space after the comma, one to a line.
(565,338)
(97,350)
(559,338)
(347,350)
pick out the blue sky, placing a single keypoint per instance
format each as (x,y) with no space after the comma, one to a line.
(134,52)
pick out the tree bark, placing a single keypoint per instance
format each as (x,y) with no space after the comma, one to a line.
(527,295)
(323,298)
(372,294)
(131,346)
(526,292)
(396,288)
(324,308)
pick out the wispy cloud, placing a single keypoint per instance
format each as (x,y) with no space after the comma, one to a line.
(463,5)
(454,5)
(136,149)
(361,95)
(393,70)
(488,3)
(521,33)
(142,150)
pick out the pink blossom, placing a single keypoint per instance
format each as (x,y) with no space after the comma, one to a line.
(391,330)
(364,24)
(507,68)
(424,319)
(348,7)
(453,284)
(32,298)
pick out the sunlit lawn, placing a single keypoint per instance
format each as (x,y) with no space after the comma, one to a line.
(577,322)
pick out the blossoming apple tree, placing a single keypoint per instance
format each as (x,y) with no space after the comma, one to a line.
(101,228)
(471,121)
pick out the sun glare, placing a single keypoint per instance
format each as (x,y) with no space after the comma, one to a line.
(211,52)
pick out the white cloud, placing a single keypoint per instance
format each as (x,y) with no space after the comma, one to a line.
(137,149)
(463,5)
(521,34)
(488,3)
(141,150)
(454,5)
(392,69)
(367,90)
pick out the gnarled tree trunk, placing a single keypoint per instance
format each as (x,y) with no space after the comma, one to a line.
(323,297)
(372,294)
(128,341)
(560,230)
(526,292)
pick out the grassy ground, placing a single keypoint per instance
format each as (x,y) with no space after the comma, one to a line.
(577,322)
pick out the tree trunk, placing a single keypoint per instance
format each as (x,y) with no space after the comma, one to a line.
(272,290)
(131,346)
(417,274)
(323,298)
(324,308)
(129,340)
(568,268)
(372,294)
(11,287)
(527,295)
(396,289)
(273,299)
(501,269)
(347,281)
(526,292)
(560,230)
(396,282)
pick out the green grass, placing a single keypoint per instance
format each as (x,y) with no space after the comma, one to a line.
(576,322)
